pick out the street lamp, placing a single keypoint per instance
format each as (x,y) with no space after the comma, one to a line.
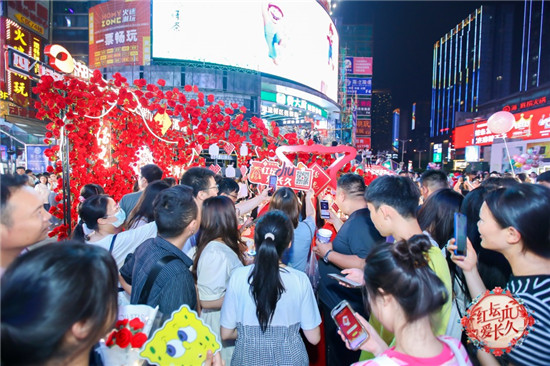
(419,157)
(403,149)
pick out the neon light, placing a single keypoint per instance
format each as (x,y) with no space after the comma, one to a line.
(523,45)
(466,64)
(479,55)
(454,79)
(460,66)
(449,102)
(540,40)
(474,71)
(529,43)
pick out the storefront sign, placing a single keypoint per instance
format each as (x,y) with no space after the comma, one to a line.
(32,14)
(362,142)
(363,127)
(293,102)
(18,86)
(528,125)
(526,104)
(359,86)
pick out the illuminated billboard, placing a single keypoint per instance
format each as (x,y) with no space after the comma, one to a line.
(295,40)
(528,125)
(120,33)
(18,87)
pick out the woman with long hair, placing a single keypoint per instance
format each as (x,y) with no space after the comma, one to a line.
(267,303)
(219,253)
(286,200)
(57,302)
(403,292)
(143,211)
(515,221)
(103,219)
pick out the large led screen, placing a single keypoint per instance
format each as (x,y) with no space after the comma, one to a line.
(295,40)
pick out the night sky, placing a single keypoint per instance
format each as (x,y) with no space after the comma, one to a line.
(404,36)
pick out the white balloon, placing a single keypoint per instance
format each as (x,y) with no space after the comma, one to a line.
(501,122)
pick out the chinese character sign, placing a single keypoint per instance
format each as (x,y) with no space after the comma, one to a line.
(359,65)
(37,161)
(32,14)
(497,321)
(119,34)
(18,86)
(359,86)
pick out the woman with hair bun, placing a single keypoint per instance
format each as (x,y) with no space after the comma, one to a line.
(267,303)
(402,293)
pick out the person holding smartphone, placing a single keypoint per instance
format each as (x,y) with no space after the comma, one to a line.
(403,292)
(514,221)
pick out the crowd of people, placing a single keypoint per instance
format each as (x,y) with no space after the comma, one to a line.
(242,261)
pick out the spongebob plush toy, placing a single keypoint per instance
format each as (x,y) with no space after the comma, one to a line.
(183,340)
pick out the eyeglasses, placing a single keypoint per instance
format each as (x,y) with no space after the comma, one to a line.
(234,196)
(215,187)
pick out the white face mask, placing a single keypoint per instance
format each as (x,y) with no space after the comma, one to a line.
(120,216)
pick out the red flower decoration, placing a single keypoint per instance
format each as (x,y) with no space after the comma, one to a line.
(110,339)
(121,323)
(161,82)
(138,340)
(123,338)
(136,324)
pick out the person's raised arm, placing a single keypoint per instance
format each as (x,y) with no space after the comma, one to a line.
(335,220)
(468,264)
(248,205)
(310,209)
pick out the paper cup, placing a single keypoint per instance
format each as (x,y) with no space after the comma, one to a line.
(323,235)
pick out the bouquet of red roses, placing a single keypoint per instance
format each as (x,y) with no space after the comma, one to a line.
(123,345)
(127,333)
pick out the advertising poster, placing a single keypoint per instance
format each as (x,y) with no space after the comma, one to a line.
(359,86)
(37,161)
(528,125)
(120,34)
(364,127)
(295,40)
(358,65)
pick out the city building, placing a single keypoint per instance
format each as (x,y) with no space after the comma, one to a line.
(508,69)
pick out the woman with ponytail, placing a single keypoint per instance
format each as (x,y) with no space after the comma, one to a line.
(267,303)
(403,292)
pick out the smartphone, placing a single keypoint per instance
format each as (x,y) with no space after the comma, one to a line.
(325,214)
(272,185)
(460,234)
(348,324)
(338,277)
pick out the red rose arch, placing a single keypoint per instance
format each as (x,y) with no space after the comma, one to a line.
(107,124)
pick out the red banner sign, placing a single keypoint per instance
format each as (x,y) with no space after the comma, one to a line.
(528,125)
(362,142)
(300,178)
